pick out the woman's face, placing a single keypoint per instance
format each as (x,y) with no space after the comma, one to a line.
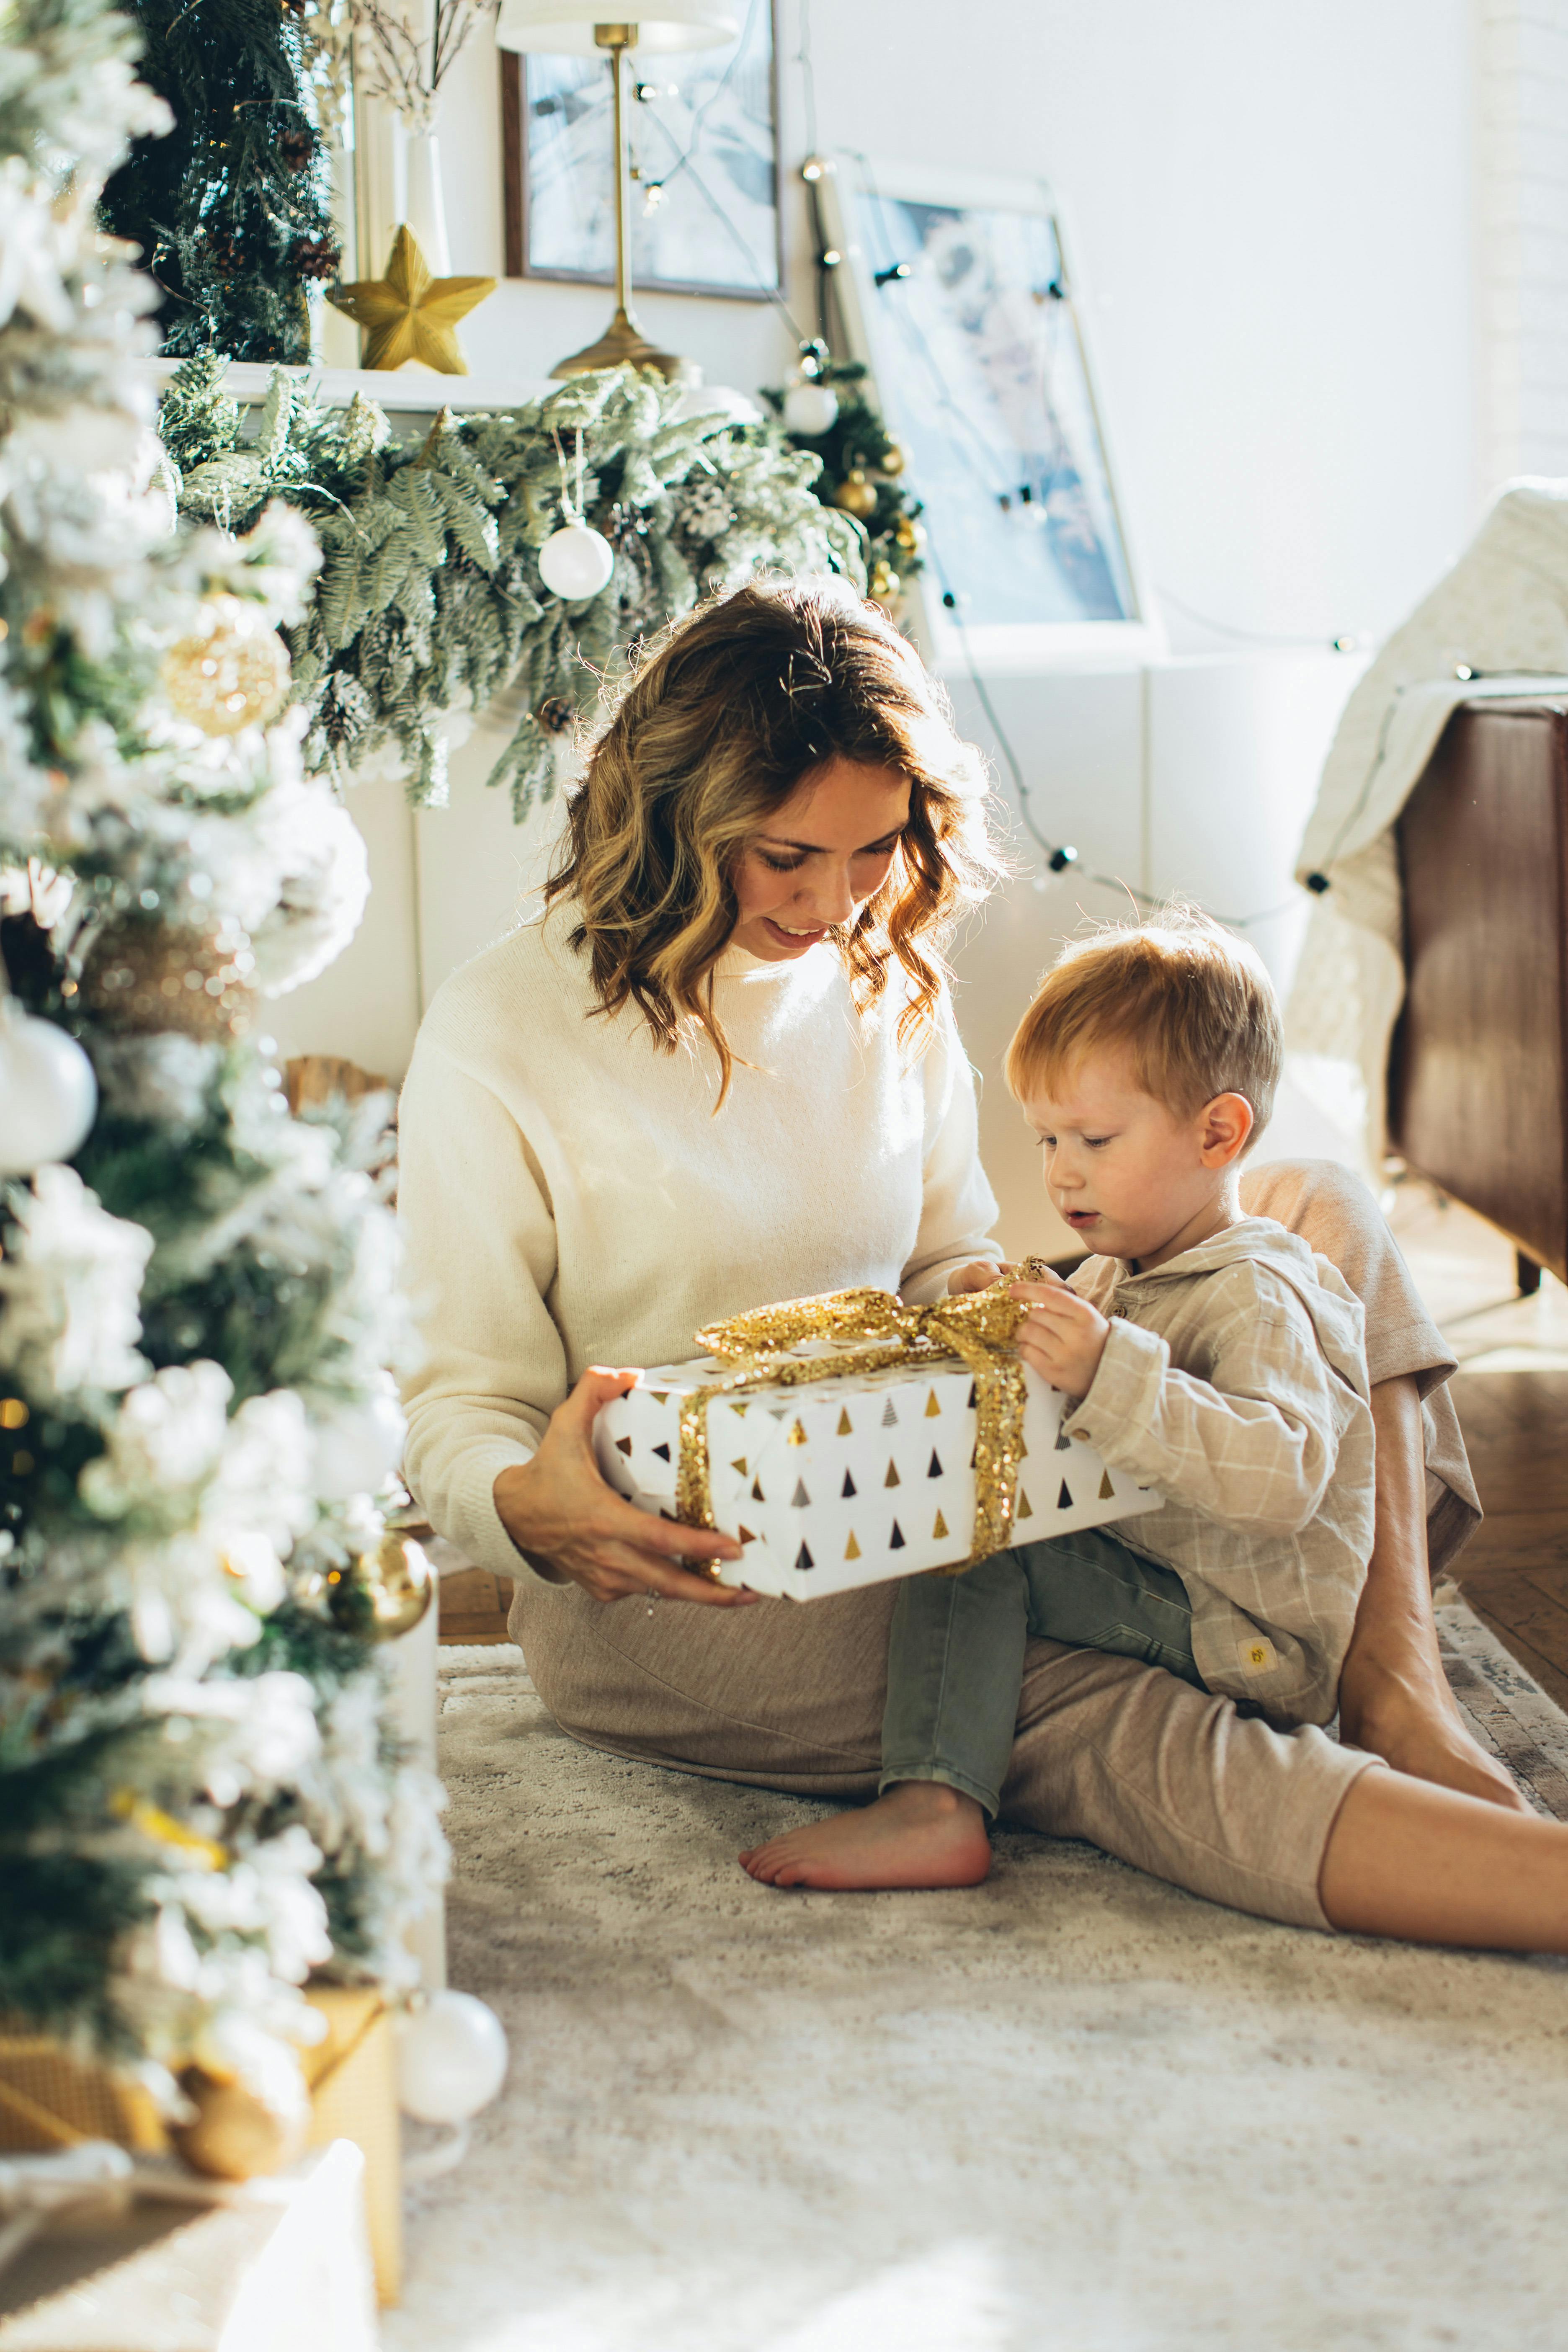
(821,855)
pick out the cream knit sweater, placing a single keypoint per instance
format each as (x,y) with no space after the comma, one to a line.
(567,1197)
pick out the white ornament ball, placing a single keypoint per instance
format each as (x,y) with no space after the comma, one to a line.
(47,1092)
(576,561)
(451,2059)
(810,409)
(355,1446)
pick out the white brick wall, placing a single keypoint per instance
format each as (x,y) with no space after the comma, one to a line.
(1523,243)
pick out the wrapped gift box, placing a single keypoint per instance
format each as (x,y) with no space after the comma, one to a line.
(52,2100)
(855,1478)
(280,2263)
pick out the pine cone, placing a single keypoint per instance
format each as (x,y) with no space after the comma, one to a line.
(295,149)
(315,256)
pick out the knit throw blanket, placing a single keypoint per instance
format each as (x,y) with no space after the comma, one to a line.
(1497,625)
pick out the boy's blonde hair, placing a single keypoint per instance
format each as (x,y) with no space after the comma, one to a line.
(1194,1003)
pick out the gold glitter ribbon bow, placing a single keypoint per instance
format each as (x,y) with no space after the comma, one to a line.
(873,1331)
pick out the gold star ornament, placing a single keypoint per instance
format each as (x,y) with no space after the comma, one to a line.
(408,314)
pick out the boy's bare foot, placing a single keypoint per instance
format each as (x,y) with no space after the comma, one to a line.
(921,1833)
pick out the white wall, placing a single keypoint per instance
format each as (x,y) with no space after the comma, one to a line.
(1273,216)
(1523,210)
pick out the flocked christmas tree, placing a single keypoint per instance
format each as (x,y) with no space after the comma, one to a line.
(199,1801)
(233,208)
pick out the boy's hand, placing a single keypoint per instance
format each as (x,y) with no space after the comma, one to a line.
(1062,1336)
(979,1275)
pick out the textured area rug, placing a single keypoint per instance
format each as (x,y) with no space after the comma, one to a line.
(1069,2111)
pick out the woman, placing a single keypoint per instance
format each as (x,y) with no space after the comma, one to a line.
(722,1070)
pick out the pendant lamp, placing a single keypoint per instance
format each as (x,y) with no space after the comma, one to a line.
(574,29)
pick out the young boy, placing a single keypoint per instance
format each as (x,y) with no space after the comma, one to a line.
(1209,1353)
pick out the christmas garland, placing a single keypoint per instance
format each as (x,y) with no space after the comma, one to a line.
(432,597)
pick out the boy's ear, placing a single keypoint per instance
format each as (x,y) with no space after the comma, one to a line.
(1227,1121)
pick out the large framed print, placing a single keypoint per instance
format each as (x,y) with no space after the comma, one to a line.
(704,154)
(958,293)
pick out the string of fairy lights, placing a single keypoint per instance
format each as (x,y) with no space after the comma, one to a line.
(1059,859)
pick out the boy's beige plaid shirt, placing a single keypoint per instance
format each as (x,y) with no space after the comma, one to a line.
(1235,1380)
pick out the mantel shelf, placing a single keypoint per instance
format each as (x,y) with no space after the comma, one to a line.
(414,390)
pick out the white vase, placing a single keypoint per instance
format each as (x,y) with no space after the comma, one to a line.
(422,207)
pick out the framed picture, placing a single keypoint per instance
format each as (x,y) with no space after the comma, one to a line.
(959,295)
(704,148)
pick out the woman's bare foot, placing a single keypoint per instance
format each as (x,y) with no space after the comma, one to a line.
(921,1833)
(1417,1726)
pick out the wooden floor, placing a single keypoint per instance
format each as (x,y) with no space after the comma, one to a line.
(1513,1396)
(1511,1390)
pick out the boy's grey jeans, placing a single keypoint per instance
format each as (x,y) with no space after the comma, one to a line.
(956,1660)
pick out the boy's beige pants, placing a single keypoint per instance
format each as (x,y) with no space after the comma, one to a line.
(1110,1750)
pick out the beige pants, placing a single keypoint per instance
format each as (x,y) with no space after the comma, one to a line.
(790,1697)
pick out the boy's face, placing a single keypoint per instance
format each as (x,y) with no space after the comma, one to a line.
(1132,1177)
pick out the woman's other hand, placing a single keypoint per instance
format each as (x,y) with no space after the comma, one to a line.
(558,1509)
(1062,1336)
(978,1275)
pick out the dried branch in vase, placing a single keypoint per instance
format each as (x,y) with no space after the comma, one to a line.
(410,51)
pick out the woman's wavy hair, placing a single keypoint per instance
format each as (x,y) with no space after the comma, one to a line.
(720,719)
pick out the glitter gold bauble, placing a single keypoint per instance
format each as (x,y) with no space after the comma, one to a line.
(384,1592)
(237,2133)
(855,494)
(145,978)
(231,675)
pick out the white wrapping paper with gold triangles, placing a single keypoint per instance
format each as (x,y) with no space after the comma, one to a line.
(850,1480)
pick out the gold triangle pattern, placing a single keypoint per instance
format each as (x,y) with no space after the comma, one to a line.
(1026,1508)
(1107,1491)
(846,1427)
(892,1478)
(740,1464)
(940,1530)
(797,1435)
(851,1549)
(933,1408)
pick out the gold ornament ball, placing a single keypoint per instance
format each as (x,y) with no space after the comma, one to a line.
(910,533)
(233,675)
(855,494)
(382,1592)
(884,582)
(894,460)
(236,2133)
(145,978)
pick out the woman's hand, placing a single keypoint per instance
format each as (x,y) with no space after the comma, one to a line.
(1062,1336)
(558,1509)
(979,1275)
